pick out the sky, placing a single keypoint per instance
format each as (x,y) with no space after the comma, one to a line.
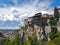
(13,12)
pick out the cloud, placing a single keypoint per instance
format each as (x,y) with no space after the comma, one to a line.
(20,12)
(26,10)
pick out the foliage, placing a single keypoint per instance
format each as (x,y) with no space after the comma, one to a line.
(28,42)
(24,27)
(57,41)
(7,42)
(58,34)
(52,21)
(50,43)
(54,30)
(33,39)
(52,34)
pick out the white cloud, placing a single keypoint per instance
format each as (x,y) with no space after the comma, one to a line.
(26,10)
(20,12)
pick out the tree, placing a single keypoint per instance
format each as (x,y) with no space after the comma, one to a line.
(24,28)
(28,42)
(33,39)
(53,24)
(52,21)
(17,38)
(7,42)
(50,43)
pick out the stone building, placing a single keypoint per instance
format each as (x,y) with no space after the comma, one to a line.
(25,21)
(57,15)
(40,23)
(30,24)
(36,24)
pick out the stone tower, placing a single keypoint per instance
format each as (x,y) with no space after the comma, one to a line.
(56,13)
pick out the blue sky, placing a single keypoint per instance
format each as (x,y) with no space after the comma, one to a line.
(20,2)
(13,12)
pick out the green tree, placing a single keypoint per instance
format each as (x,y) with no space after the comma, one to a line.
(33,39)
(24,28)
(17,38)
(52,21)
(7,42)
(28,42)
(50,43)
(53,24)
